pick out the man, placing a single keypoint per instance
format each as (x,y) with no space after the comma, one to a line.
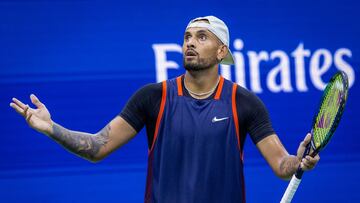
(196,126)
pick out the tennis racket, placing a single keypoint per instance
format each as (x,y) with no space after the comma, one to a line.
(324,125)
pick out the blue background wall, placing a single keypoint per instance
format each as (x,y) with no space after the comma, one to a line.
(84,59)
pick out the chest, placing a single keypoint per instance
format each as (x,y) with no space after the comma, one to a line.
(203,120)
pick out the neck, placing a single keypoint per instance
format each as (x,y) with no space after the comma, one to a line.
(201,81)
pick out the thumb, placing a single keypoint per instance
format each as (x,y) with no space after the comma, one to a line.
(303,145)
(36,101)
(306,141)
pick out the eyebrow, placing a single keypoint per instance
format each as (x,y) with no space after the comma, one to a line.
(202,31)
(198,32)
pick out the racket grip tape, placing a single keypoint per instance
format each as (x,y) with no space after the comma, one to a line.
(290,190)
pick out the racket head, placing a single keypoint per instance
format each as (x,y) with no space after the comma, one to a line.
(331,108)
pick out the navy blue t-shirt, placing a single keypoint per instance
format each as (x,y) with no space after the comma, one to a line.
(143,107)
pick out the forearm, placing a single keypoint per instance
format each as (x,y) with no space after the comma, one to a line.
(83,144)
(288,166)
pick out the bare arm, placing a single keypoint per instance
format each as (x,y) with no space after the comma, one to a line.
(92,147)
(283,164)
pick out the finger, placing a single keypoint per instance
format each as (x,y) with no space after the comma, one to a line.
(28,117)
(306,140)
(312,160)
(19,103)
(17,108)
(26,110)
(305,167)
(36,101)
(302,166)
(309,164)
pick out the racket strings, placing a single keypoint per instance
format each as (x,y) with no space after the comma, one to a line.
(330,106)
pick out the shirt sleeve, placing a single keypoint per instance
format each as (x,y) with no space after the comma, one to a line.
(141,108)
(253,115)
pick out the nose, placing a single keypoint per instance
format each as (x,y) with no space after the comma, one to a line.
(190,43)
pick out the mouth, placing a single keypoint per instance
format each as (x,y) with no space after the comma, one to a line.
(190,54)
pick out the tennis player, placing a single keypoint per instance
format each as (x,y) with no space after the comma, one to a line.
(196,126)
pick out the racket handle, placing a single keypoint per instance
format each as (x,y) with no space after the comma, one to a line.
(290,190)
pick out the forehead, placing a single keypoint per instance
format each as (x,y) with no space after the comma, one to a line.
(195,30)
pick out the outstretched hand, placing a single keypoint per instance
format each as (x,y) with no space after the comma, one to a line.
(308,162)
(38,119)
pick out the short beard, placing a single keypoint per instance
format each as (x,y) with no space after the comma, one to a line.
(200,64)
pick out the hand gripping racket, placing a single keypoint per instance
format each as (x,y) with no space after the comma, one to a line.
(324,125)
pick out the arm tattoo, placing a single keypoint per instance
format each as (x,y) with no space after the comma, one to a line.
(289,165)
(83,144)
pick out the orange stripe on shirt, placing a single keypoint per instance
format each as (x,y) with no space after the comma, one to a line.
(179,86)
(161,111)
(234,110)
(219,90)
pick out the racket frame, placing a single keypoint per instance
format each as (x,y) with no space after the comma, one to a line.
(296,178)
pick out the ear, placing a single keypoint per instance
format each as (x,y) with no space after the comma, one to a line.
(222,52)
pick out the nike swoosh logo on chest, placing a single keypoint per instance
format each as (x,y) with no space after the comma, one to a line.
(215,119)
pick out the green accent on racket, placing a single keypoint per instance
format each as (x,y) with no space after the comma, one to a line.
(324,124)
(330,111)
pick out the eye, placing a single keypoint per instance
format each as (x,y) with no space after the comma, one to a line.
(202,37)
(187,37)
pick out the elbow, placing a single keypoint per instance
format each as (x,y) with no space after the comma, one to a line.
(94,158)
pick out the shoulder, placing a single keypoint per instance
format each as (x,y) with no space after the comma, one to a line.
(146,95)
(245,96)
(148,91)
(151,88)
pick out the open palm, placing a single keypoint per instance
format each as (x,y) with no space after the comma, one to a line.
(39,118)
